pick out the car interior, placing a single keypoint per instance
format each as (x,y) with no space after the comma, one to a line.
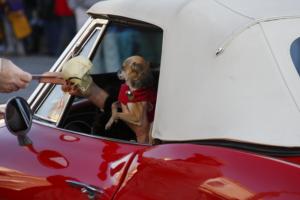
(119,42)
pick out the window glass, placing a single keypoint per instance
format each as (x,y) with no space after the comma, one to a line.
(121,41)
(52,107)
(90,43)
(295,54)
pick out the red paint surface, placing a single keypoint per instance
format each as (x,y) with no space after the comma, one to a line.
(40,171)
(127,171)
(186,171)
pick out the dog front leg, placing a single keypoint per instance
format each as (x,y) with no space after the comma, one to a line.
(133,113)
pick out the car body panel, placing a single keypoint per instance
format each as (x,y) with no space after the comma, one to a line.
(187,171)
(56,156)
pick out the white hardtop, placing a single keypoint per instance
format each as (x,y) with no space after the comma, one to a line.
(250,92)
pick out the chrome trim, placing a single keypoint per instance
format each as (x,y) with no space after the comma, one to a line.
(240,30)
(97,40)
(45,119)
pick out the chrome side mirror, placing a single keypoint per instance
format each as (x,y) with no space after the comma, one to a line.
(18,119)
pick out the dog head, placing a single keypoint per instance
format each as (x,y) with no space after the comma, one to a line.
(136,72)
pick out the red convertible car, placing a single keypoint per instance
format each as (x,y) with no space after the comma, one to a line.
(227,117)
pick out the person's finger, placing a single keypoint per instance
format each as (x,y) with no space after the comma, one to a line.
(14,88)
(65,88)
(74,90)
(25,76)
(21,83)
(11,88)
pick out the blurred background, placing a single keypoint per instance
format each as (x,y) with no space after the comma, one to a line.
(33,33)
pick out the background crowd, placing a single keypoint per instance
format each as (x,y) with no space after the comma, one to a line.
(40,26)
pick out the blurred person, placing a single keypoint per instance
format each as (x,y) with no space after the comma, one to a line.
(50,25)
(12,78)
(33,42)
(67,24)
(16,25)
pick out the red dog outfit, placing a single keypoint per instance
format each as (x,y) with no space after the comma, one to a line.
(143,94)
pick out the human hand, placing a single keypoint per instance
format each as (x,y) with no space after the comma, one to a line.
(12,78)
(73,89)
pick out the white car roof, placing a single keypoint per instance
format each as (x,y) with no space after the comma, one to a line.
(250,92)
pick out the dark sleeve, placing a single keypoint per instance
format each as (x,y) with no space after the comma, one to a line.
(107,104)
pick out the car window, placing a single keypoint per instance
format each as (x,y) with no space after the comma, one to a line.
(53,106)
(295,54)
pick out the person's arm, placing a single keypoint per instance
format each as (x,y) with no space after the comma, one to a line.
(94,93)
(12,78)
(97,95)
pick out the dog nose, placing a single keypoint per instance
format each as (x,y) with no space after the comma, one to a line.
(120,75)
